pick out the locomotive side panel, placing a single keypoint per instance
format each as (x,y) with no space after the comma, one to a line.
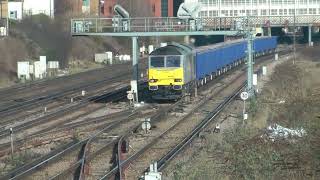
(188,69)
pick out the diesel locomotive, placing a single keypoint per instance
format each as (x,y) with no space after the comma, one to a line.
(176,68)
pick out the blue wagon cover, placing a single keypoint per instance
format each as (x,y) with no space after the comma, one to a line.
(208,59)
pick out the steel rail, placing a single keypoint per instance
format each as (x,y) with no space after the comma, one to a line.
(154,118)
(46,82)
(85,157)
(60,153)
(163,162)
(113,95)
(46,131)
(21,172)
(188,139)
(158,116)
(31,103)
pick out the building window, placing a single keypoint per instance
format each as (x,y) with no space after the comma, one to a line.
(280,11)
(262,2)
(204,2)
(285,12)
(303,11)
(291,11)
(235,12)
(226,3)
(303,1)
(213,2)
(164,8)
(312,11)
(230,13)
(224,13)
(242,12)
(274,11)
(153,8)
(110,9)
(254,2)
(263,12)
(276,2)
(204,13)
(213,13)
(255,12)
(313,1)
(248,13)
(13,15)
(85,3)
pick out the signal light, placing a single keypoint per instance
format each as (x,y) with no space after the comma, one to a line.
(177,80)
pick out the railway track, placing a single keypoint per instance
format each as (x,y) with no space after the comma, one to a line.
(49,98)
(114,95)
(78,169)
(165,142)
(28,89)
(167,133)
(48,93)
(94,141)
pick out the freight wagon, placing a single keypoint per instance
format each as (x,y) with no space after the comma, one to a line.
(175,69)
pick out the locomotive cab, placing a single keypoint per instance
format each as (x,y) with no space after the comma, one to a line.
(167,71)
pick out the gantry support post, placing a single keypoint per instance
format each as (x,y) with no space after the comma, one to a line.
(250,63)
(310,34)
(135,77)
(269,31)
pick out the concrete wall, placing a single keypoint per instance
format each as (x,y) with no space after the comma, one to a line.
(108,7)
(94,7)
(3,9)
(156,8)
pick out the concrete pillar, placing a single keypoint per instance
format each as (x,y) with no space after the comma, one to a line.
(269,31)
(310,35)
(135,77)
(187,39)
(250,64)
(196,91)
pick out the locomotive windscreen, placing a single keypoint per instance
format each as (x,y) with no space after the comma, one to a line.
(165,61)
(172,61)
(157,61)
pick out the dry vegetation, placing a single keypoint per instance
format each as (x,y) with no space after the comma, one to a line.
(40,35)
(241,153)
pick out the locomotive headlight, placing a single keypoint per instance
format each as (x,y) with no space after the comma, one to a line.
(177,80)
(153,80)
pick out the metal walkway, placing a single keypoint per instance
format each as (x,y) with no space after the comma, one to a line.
(173,26)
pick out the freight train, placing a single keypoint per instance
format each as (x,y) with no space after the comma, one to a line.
(176,69)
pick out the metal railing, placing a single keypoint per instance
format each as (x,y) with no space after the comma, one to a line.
(173,24)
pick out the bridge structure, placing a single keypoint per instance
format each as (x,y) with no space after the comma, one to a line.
(173,26)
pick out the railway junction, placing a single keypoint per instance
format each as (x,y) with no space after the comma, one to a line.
(88,129)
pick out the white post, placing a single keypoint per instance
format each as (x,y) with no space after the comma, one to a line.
(11,140)
(264,70)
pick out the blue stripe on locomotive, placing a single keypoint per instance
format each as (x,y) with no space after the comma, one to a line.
(210,60)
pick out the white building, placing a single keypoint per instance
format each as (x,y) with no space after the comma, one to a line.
(233,8)
(15,10)
(18,9)
(33,7)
